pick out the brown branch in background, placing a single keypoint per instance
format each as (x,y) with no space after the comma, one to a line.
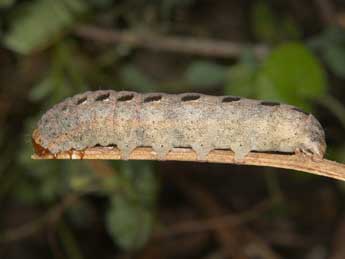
(326,11)
(236,240)
(189,45)
(295,162)
(340,18)
(329,14)
(225,234)
(211,223)
(52,216)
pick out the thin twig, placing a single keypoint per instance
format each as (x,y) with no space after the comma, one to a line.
(28,229)
(237,240)
(226,234)
(190,45)
(326,11)
(201,225)
(295,162)
(340,19)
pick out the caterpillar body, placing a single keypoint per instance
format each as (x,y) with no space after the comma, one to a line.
(164,121)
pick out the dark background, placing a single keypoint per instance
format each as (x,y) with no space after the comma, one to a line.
(288,51)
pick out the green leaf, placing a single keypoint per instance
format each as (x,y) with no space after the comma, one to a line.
(201,73)
(130,218)
(41,22)
(292,74)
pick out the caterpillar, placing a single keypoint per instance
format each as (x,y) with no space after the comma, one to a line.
(164,121)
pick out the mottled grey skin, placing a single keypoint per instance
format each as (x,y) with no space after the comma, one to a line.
(163,121)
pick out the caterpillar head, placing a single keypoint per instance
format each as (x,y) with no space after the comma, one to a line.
(313,143)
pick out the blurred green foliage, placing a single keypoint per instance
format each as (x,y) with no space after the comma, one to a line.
(269,27)
(39,23)
(6,3)
(331,45)
(64,77)
(293,75)
(133,78)
(241,77)
(130,218)
(205,74)
(292,72)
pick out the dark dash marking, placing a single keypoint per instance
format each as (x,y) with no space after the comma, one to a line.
(81,100)
(190,97)
(268,103)
(102,97)
(229,99)
(153,98)
(125,98)
(301,111)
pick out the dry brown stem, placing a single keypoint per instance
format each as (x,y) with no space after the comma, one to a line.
(225,234)
(211,223)
(190,45)
(295,162)
(236,240)
(52,216)
(326,11)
